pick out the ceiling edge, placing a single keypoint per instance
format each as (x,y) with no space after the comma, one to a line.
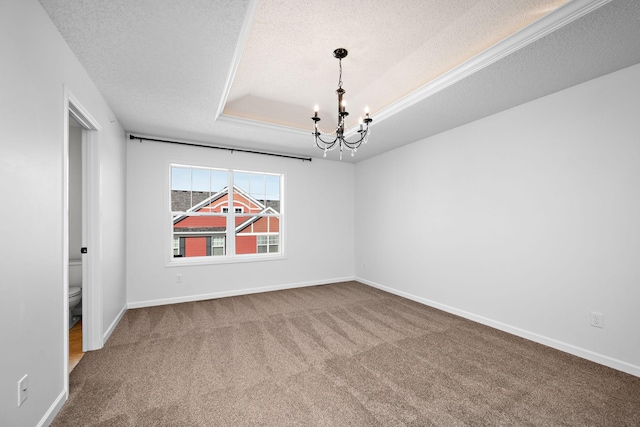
(237,54)
(263,125)
(281,128)
(535,31)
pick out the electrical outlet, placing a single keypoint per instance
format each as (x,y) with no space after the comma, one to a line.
(597,319)
(178,278)
(23,386)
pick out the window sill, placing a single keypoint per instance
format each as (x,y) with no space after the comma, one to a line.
(185,262)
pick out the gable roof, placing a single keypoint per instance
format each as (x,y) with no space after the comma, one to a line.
(268,204)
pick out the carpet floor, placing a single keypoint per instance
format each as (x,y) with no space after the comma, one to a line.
(343,354)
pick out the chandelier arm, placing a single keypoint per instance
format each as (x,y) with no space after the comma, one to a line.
(357,143)
(328,144)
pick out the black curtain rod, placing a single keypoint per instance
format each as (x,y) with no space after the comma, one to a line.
(193,144)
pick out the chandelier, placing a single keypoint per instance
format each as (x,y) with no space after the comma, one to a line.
(339,140)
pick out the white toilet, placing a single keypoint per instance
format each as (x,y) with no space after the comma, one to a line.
(75,291)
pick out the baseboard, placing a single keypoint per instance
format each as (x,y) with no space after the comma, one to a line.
(223,294)
(55,407)
(540,339)
(113,324)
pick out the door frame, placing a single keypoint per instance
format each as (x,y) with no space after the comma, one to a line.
(92,338)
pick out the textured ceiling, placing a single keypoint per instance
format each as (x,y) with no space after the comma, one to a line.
(168,68)
(394,48)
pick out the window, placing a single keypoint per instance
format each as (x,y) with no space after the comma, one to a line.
(210,221)
(176,247)
(236,210)
(217,245)
(267,244)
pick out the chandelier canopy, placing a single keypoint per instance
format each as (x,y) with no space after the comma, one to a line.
(339,140)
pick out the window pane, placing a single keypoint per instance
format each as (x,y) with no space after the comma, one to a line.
(192,186)
(199,234)
(246,241)
(272,188)
(218,251)
(241,180)
(180,178)
(201,180)
(259,186)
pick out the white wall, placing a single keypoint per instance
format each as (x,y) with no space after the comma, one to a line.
(319,226)
(75,192)
(526,220)
(36,67)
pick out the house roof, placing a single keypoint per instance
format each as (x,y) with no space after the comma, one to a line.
(182,200)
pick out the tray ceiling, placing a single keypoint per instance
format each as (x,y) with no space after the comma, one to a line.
(246,73)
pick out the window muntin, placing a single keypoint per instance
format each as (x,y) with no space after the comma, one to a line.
(204,227)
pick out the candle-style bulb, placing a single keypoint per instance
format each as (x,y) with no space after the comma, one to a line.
(315,110)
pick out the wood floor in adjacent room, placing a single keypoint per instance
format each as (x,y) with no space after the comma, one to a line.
(75,345)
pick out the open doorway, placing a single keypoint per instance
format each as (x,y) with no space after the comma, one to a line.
(81,229)
(76,210)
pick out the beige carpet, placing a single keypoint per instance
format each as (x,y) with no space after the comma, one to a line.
(337,355)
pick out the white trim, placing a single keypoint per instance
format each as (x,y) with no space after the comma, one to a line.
(531,336)
(237,54)
(92,327)
(53,410)
(225,259)
(268,233)
(113,324)
(557,19)
(244,122)
(80,113)
(92,285)
(224,294)
(65,245)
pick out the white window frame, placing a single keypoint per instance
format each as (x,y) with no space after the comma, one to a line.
(230,256)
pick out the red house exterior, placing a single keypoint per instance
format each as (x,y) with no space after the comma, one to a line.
(205,235)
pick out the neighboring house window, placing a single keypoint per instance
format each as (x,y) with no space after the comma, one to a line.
(176,246)
(268,244)
(236,210)
(209,220)
(217,245)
